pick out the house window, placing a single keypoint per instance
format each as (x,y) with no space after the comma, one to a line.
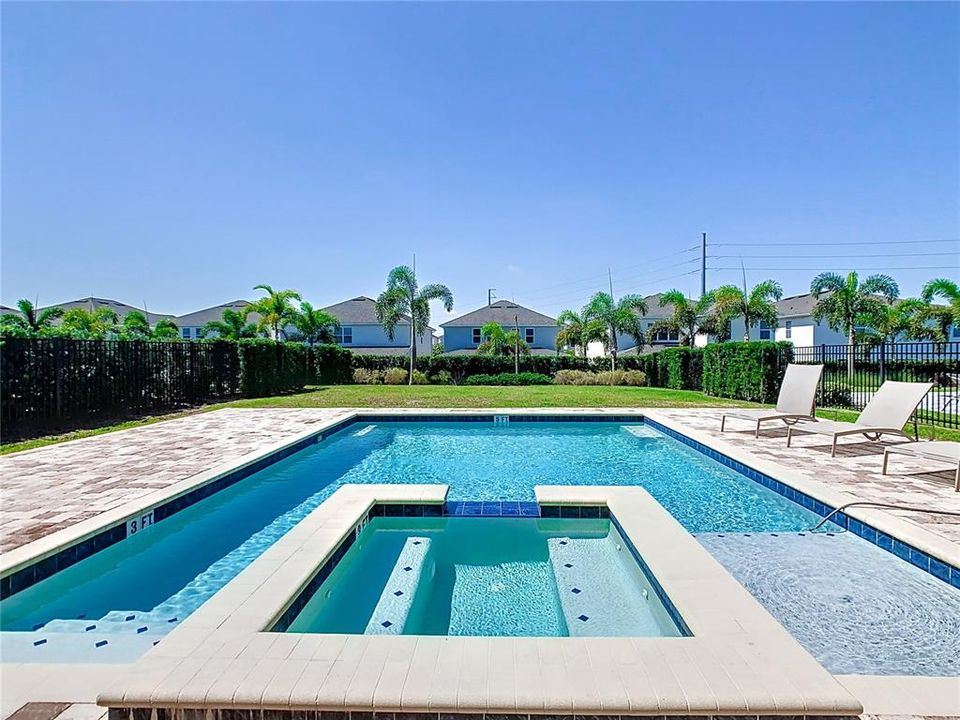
(789,328)
(528,336)
(343,335)
(955,332)
(666,336)
(198,333)
(476,336)
(185,333)
(765,331)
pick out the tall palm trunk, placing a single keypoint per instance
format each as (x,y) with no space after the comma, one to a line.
(413,341)
(746,327)
(613,348)
(850,349)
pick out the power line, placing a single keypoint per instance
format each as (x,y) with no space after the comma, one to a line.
(628,290)
(820,269)
(780,256)
(831,244)
(568,289)
(603,275)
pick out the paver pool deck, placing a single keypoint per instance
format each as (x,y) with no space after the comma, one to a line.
(51,491)
(51,488)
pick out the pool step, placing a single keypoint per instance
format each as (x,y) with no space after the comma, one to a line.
(598,596)
(643,431)
(413,566)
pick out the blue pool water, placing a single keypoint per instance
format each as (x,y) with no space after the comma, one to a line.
(132,593)
(488,577)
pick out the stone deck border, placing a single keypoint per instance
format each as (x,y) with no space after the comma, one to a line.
(739,661)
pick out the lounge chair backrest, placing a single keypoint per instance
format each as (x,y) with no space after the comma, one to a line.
(798,391)
(892,405)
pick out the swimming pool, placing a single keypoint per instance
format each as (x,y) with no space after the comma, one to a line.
(488,577)
(117,603)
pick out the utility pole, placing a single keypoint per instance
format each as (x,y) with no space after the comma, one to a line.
(703,265)
(490,296)
(612,331)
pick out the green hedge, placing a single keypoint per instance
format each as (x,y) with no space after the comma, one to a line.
(272,368)
(460,367)
(746,370)
(522,378)
(678,368)
(332,365)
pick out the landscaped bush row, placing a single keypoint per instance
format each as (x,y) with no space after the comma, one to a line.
(746,370)
(636,378)
(509,378)
(390,376)
(679,368)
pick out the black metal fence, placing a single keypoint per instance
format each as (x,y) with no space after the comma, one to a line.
(57,383)
(853,373)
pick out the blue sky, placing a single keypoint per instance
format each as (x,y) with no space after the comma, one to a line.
(178,154)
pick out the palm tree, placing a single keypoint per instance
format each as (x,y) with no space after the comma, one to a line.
(29,320)
(618,317)
(135,326)
(889,320)
(232,326)
(931,322)
(577,331)
(689,317)
(946,289)
(754,306)
(314,324)
(500,342)
(165,329)
(845,300)
(275,310)
(90,324)
(405,300)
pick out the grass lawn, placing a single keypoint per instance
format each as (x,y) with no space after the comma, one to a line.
(479,396)
(440,396)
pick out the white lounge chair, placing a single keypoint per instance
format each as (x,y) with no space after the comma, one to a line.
(798,392)
(940,450)
(890,408)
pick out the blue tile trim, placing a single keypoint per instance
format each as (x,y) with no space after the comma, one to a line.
(488,418)
(652,579)
(902,550)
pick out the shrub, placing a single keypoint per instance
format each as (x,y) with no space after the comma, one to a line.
(681,368)
(574,377)
(636,378)
(395,376)
(363,376)
(836,397)
(746,370)
(270,368)
(524,378)
(419,377)
(332,365)
(441,377)
(609,377)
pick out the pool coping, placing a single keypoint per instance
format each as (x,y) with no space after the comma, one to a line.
(739,660)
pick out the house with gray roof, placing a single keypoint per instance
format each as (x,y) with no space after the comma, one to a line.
(795,323)
(361,332)
(121,309)
(191,324)
(655,341)
(462,335)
